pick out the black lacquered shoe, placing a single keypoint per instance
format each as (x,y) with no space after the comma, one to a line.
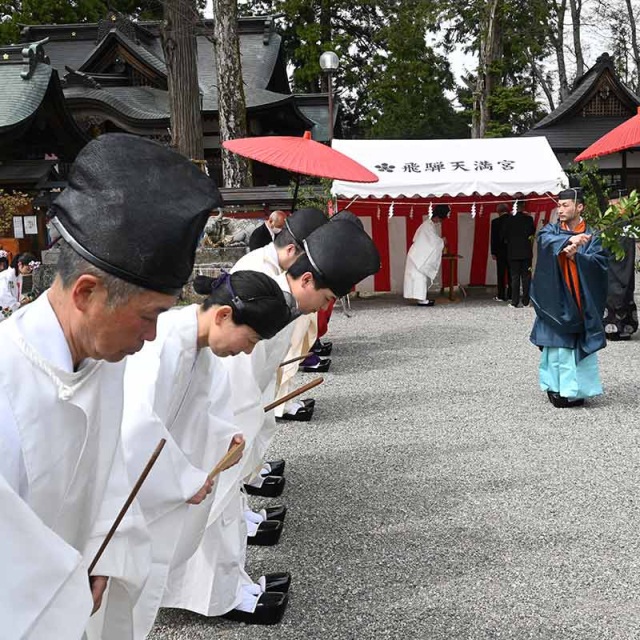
(269,610)
(560,402)
(323,351)
(278,512)
(267,535)
(321,367)
(278,581)
(277,467)
(301,415)
(272,487)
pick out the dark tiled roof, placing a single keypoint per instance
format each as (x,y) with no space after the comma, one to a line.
(69,53)
(138,103)
(74,46)
(316,108)
(581,90)
(25,172)
(576,134)
(138,50)
(20,98)
(147,103)
(259,52)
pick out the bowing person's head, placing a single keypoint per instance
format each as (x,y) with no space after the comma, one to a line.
(337,256)
(130,219)
(296,228)
(241,309)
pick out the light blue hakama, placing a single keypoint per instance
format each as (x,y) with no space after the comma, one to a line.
(559,372)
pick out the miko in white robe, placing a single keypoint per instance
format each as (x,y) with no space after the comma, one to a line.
(178,389)
(63,482)
(423,261)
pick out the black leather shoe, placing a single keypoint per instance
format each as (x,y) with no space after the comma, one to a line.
(278,581)
(309,403)
(268,534)
(269,610)
(272,487)
(321,367)
(560,402)
(277,467)
(301,415)
(276,513)
(323,351)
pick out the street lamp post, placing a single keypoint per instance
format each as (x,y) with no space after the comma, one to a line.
(329,63)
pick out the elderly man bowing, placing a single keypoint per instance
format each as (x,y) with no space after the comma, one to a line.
(130,218)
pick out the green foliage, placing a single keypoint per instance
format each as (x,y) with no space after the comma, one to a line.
(407,94)
(26,12)
(612,221)
(621,219)
(312,192)
(514,110)
(523,33)
(390,83)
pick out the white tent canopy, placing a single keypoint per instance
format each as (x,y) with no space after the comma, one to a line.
(436,168)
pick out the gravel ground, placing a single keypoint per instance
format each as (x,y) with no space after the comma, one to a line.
(437,493)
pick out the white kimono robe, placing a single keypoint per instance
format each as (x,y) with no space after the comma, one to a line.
(305,329)
(303,336)
(10,290)
(176,392)
(423,261)
(63,482)
(210,582)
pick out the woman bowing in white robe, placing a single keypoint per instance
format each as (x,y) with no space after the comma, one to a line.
(177,388)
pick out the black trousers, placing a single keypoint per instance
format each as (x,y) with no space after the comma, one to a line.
(520,273)
(504,277)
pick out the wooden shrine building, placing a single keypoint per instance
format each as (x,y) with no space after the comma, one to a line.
(598,103)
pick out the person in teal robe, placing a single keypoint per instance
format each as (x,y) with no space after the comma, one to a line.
(569,293)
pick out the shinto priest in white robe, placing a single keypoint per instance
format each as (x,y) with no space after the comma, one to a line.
(423,261)
(63,483)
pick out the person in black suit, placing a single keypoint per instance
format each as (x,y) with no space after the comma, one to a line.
(499,253)
(265,233)
(519,231)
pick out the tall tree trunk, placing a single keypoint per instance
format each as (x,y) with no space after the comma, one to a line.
(179,44)
(576,18)
(232,112)
(556,36)
(634,44)
(488,55)
(544,83)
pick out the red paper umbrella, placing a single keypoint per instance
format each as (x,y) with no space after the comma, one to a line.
(301,155)
(624,136)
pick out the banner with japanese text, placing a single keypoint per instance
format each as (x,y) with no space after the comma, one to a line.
(436,168)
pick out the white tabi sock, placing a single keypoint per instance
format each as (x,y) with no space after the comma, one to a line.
(253,520)
(258,480)
(250,595)
(293,407)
